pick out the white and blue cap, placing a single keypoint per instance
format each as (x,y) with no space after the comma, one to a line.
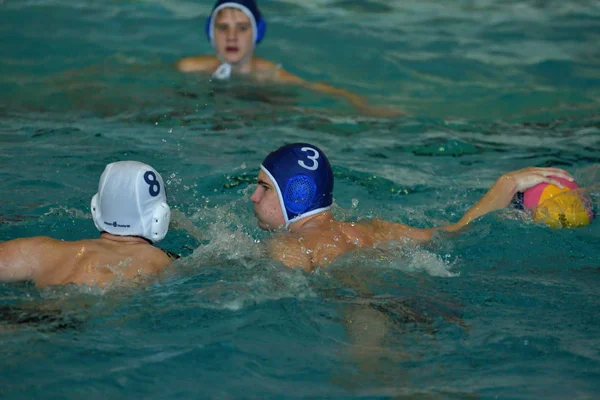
(303,178)
(248,7)
(131,201)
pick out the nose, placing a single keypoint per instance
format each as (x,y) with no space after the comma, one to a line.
(255,198)
(231,34)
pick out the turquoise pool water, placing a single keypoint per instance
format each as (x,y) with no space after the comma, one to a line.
(508,310)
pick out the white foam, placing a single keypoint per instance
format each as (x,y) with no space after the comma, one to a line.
(430,263)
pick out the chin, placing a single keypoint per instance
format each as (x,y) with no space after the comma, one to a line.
(233,58)
(263,226)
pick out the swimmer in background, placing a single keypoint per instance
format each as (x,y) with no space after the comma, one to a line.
(234,28)
(295,193)
(131,212)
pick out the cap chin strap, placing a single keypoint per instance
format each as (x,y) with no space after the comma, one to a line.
(223,72)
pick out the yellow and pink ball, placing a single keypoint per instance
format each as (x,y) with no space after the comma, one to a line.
(558,208)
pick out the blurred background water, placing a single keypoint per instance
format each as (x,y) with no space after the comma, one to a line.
(506,310)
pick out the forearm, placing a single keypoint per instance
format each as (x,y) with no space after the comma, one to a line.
(497,197)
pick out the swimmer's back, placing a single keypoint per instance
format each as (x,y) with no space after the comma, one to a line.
(94,262)
(319,245)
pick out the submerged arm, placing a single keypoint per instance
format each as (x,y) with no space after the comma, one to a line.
(357,101)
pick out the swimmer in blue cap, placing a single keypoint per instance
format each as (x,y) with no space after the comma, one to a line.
(234,28)
(294,195)
(302,179)
(131,212)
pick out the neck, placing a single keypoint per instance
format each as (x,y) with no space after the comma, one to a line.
(312,221)
(128,239)
(244,66)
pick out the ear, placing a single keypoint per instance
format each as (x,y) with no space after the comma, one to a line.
(261,29)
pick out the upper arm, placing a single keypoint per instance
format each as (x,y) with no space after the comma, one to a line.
(192,64)
(20,259)
(396,231)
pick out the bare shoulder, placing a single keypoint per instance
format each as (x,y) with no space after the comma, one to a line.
(160,256)
(262,64)
(151,259)
(289,249)
(23,259)
(205,63)
(276,71)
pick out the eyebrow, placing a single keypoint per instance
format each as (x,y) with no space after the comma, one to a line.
(234,23)
(261,182)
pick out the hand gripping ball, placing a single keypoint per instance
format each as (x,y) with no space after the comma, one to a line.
(556,207)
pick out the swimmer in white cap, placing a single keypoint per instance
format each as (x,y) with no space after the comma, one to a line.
(295,193)
(131,212)
(234,28)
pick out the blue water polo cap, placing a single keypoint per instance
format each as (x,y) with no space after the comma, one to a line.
(248,7)
(303,178)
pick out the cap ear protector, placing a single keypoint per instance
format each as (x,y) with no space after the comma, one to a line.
(299,193)
(259,25)
(96,212)
(160,222)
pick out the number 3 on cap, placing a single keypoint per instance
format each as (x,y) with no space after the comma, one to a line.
(312,157)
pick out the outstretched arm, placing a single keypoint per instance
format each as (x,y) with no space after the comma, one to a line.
(497,197)
(20,258)
(504,189)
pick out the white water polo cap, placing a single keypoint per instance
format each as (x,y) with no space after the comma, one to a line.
(131,201)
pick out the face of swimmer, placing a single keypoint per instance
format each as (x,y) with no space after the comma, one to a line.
(266,204)
(233,35)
